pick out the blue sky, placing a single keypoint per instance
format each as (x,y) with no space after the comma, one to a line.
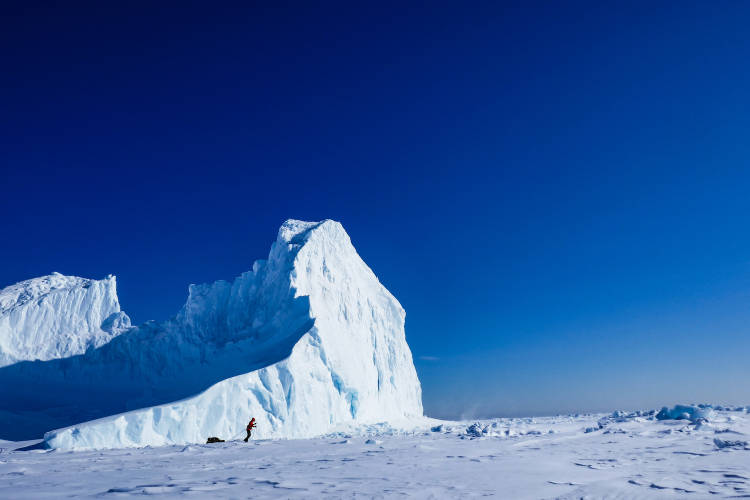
(556,194)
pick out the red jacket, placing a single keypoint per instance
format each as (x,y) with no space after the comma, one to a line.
(251,425)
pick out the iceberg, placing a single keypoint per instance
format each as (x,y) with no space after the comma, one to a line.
(306,341)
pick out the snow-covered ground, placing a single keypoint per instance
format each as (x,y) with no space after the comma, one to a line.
(588,456)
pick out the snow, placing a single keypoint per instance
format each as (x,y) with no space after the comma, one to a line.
(306,341)
(57,316)
(632,455)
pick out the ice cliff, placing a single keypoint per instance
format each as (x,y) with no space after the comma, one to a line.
(57,316)
(307,340)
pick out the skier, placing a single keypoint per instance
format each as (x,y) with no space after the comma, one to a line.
(250,426)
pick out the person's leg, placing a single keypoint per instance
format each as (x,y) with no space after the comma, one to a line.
(248,436)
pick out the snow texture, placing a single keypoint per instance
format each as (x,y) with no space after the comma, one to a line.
(57,316)
(307,340)
(633,456)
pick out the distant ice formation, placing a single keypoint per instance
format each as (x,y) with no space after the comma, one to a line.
(686,412)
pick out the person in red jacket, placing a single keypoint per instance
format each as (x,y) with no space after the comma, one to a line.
(250,428)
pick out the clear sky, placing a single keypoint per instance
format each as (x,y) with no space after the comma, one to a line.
(557,192)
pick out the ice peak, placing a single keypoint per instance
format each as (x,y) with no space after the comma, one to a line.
(297,232)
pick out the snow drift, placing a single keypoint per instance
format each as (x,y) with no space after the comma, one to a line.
(307,340)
